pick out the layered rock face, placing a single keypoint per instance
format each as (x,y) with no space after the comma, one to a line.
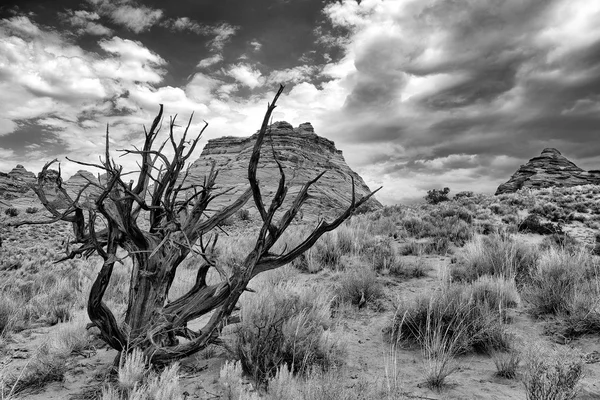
(302,154)
(15,184)
(549,169)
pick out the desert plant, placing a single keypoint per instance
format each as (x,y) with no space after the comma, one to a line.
(458,318)
(11,212)
(243,214)
(506,362)
(175,224)
(552,374)
(359,287)
(31,210)
(495,255)
(566,285)
(435,196)
(284,326)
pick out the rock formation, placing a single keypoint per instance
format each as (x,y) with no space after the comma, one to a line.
(302,154)
(549,169)
(15,184)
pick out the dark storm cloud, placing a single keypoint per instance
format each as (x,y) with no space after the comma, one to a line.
(489,84)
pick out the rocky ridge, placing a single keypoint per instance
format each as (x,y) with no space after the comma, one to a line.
(549,169)
(302,154)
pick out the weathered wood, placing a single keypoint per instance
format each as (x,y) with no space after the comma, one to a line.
(175,226)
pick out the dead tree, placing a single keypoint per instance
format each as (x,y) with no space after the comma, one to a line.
(177,224)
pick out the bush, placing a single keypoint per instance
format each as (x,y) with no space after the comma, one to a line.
(506,362)
(11,212)
(381,254)
(463,195)
(359,287)
(533,224)
(435,196)
(566,285)
(243,214)
(31,210)
(284,325)
(495,255)
(553,376)
(465,324)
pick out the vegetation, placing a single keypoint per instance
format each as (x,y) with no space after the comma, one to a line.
(435,196)
(175,226)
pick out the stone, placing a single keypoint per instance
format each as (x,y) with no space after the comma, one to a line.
(302,154)
(550,169)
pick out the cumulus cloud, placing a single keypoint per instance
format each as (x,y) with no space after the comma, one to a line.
(85,22)
(137,18)
(246,75)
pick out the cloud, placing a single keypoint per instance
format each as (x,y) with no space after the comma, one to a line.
(85,22)
(292,75)
(256,45)
(212,60)
(133,17)
(442,82)
(222,34)
(246,75)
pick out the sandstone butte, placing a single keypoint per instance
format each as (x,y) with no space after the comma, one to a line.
(302,154)
(550,169)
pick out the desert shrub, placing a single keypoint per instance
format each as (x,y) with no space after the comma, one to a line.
(566,285)
(560,241)
(558,277)
(552,374)
(359,287)
(533,224)
(11,212)
(495,293)
(43,369)
(463,195)
(317,385)
(326,251)
(243,214)
(506,362)
(417,227)
(463,323)
(381,254)
(9,314)
(461,213)
(31,210)
(409,269)
(136,381)
(435,196)
(284,325)
(494,255)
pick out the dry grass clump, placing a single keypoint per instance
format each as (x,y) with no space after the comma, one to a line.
(495,255)
(285,325)
(136,381)
(460,320)
(566,285)
(315,385)
(552,374)
(506,362)
(359,287)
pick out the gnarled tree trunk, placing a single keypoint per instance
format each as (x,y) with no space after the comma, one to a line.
(177,224)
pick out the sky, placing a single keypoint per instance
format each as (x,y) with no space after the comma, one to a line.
(418,94)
